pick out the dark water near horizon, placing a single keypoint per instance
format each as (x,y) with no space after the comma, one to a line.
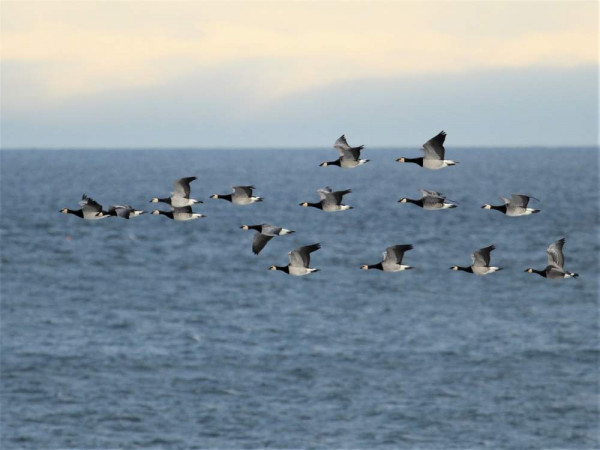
(151,333)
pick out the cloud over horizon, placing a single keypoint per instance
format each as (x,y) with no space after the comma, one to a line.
(100,66)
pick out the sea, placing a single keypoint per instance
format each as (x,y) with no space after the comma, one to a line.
(150,333)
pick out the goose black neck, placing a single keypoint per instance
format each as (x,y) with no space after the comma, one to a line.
(418,161)
(225,197)
(169,214)
(337,162)
(285,269)
(78,212)
(315,205)
(465,269)
(415,202)
(165,200)
(255,227)
(539,272)
(378,266)
(501,208)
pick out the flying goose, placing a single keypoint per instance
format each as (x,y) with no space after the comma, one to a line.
(180,214)
(434,154)
(181,194)
(299,261)
(516,206)
(556,261)
(349,156)
(90,210)
(481,262)
(392,259)
(264,233)
(124,211)
(330,201)
(241,195)
(430,200)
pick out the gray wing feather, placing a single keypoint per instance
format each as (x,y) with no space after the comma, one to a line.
(336,197)
(181,187)
(301,256)
(434,147)
(259,242)
(482,256)
(395,253)
(520,200)
(245,191)
(555,254)
(324,192)
(89,205)
(121,210)
(270,230)
(428,193)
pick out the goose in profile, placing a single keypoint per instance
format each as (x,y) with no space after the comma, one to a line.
(430,200)
(241,195)
(299,261)
(349,156)
(90,210)
(330,201)
(516,206)
(434,154)
(481,262)
(124,211)
(392,259)
(181,214)
(556,261)
(264,233)
(181,194)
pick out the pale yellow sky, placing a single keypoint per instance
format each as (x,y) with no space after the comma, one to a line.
(197,73)
(72,49)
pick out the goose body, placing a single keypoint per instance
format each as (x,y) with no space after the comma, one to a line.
(481,263)
(349,157)
(299,261)
(90,210)
(330,201)
(556,261)
(180,196)
(515,207)
(124,211)
(264,233)
(241,195)
(182,214)
(430,200)
(434,154)
(392,259)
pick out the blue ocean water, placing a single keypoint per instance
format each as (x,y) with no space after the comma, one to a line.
(150,333)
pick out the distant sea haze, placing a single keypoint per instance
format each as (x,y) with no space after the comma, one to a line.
(160,334)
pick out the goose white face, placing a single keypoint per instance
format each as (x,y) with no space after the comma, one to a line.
(155,212)
(272,268)
(154,200)
(64,211)
(454,268)
(244,227)
(487,206)
(402,200)
(364,267)
(324,164)
(529,270)
(305,204)
(401,160)
(214,196)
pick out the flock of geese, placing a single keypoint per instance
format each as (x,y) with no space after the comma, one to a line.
(349,157)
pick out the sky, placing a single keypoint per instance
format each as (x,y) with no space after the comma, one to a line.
(152,74)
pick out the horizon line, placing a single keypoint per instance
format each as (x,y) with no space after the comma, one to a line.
(312,147)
